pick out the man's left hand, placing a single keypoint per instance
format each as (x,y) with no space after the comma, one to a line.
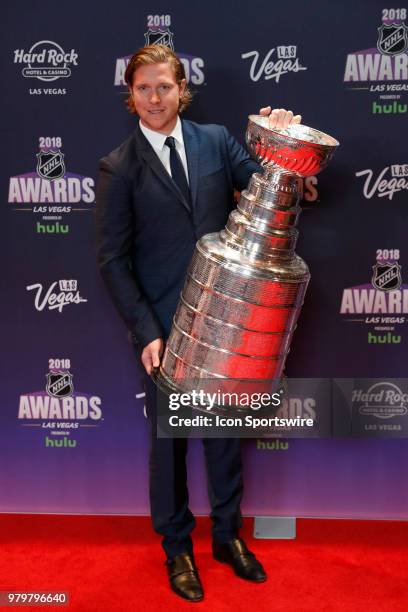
(280,117)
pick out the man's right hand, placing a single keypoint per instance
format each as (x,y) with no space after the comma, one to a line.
(151,355)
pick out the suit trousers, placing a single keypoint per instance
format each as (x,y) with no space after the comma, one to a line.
(170,512)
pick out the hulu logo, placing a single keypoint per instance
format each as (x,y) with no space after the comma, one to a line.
(389,109)
(271,445)
(64,443)
(52,228)
(383,338)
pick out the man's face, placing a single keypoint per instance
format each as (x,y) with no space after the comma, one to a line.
(156,96)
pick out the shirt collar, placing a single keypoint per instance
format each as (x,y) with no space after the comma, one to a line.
(157,139)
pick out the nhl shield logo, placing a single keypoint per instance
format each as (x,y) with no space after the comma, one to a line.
(50,165)
(386,276)
(59,384)
(159,37)
(392,39)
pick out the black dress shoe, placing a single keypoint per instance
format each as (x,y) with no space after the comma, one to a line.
(243,561)
(184,578)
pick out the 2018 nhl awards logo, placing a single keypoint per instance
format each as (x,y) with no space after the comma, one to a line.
(51,191)
(59,384)
(50,165)
(382,305)
(392,38)
(159,36)
(159,33)
(383,69)
(59,411)
(386,276)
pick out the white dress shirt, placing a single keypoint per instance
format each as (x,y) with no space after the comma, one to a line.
(162,151)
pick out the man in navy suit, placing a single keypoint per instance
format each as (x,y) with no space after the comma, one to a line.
(168,184)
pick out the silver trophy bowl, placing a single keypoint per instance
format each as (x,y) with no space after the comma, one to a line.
(298,148)
(245,285)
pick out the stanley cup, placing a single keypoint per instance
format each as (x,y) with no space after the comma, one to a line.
(245,285)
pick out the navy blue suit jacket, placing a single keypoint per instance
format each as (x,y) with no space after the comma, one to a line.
(146,230)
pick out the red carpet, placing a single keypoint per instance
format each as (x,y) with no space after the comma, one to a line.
(116,563)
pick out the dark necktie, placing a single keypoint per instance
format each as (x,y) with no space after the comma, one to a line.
(177,171)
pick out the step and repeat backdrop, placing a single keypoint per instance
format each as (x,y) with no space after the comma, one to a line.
(73,435)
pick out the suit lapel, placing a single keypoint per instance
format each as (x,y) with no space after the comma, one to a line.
(147,152)
(192,153)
